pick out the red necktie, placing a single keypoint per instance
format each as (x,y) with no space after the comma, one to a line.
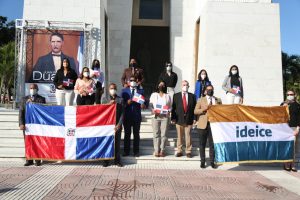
(184,103)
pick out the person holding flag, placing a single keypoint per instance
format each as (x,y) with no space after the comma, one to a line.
(85,88)
(133,101)
(160,104)
(64,82)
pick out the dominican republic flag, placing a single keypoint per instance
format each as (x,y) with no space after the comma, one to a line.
(236,89)
(161,109)
(69,133)
(138,98)
(248,134)
(68,82)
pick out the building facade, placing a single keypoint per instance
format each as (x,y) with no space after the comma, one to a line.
(192,34)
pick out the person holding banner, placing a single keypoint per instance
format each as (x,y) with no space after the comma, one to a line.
(233,86)
(33,97)
(160,104)
(203,125)
(64,82)
(113,98)
(98,76)
(182,115)
(84,88)
(294,123)
(201,83)
(134,101)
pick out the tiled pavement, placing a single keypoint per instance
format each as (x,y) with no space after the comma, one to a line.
(142,181)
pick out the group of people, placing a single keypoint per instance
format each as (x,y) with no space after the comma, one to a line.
(182,109)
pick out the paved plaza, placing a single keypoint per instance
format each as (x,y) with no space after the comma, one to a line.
(145,181)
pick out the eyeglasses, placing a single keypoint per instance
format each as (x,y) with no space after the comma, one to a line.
(290,94)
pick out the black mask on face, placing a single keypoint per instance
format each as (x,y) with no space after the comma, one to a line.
(161,88)
(210,93)
(132,64)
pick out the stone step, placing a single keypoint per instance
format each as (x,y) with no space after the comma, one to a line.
(8,152)
(11,133)
(12,142)
(150,159)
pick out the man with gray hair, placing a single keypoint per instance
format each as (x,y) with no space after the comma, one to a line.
(182,115)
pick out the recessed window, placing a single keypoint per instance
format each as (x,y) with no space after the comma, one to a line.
(151,9)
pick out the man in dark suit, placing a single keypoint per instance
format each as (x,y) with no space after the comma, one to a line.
(33,97)
(47,65)
(132,70)
(203,125)
(183,116)
(113,98)
(132,117)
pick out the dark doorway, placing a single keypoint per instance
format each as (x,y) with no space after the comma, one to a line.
(150,45)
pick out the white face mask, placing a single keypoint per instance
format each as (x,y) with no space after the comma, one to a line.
(169,69)
(185,88)
(290,98)
(203,76)
(86,74)
(132,83)
(112,92)
(33,92)
(234,72)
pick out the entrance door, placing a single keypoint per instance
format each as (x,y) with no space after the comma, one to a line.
(150,45)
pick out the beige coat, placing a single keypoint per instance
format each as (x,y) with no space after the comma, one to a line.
(199,111)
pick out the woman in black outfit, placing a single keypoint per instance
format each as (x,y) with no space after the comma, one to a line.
(99,79)
(64,82)
(294,123)
(169,77)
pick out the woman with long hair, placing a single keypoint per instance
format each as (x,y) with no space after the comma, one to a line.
(84,88)
(201,83)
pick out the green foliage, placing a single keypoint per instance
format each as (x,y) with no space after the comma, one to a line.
(7,31)
(291,73)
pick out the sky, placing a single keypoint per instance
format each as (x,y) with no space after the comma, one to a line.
(289,21)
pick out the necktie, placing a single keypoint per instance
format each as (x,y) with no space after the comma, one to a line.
(132,93)
(210,101)
(184,103)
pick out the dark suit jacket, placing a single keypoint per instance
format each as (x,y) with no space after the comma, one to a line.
(132,111)
(37,99)
(45,66)
(138,74)
(178,114)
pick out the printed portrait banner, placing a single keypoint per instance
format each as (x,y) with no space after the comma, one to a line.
(70,132)
(45,50)
(248,134)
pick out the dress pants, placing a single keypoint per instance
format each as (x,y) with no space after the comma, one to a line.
(84,100)
(135,125)
(204,135)
(64,97)
(160,128)
(117,146)
(184,130)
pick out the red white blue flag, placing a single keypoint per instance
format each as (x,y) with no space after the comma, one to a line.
(68,82)
(161,109)
(138,98)
(69,133)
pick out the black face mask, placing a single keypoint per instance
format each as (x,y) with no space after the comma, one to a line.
(210,93)
(132,64)
(161,88)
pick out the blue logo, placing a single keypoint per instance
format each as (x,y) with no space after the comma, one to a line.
(257,132)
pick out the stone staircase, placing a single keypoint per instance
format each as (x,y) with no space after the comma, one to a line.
(12,142)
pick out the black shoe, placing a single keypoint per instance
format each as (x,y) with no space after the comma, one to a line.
(125,154)
(136,155)
(202,165)
(178,154)
(188,155)
(28,162)
(105,163)
(37,163)
(213,165)
(119,164)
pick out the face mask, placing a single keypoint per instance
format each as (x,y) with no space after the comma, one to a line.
(112,92)
(290,98)
(132,83)
(132,64)
(210,93)
(169,69)
(86,74)
(234,72)
(203,76)
(185,88)
(161,88)
(32,92)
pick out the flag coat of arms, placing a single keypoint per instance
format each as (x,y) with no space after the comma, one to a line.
(248,134)
(138,98)
(69,133)
(161,109)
